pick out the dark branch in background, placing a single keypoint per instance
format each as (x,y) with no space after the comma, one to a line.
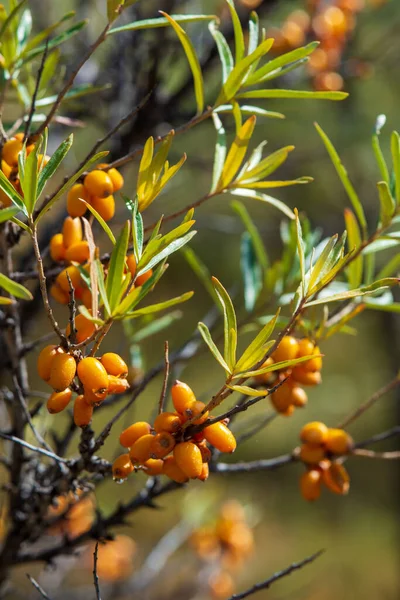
(35,93)
(38,587)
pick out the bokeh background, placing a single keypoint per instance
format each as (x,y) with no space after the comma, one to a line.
(360,532)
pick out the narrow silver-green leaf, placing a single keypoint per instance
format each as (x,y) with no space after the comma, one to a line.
(101,286)
(354,239)
(225,54)
(116,268)
(160,22)
(246,193)
(259,247)
(220,151)
(238,32)
(251,355)
(229,322)
(206,335)
(300,253)
(12,193)
(292,94)
(395,150)
(8,213)
(154,308)
(56,159)
(388,205)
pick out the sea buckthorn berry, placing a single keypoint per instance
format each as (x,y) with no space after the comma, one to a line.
(140,450)
(45,360)
(288,412)
(163,443)
(116,385)
(87,298)
(301,375)
(78,252)
(287,349)
(153,466)
(58,294)
(115,558)
(219,436)
(265,378)
(43,160)
(57,248)
(182,396)
(336,479)
(315,433)
(62,372)
(94,397)
(72,231)
(75,206)
(116,178)
(84,328)
(221,585)
(188,458)
(83,412)
(205,471)
(4,199)
(5,167)
(58,401)
(104,206)
(167,421)
(338,441)
(205,452)
(299,397)
(310,485)
(131,264)
(307,348)
(93,375)
(195,410)
(311,455)
(98,183)
(122,467)
(141,280)
(10,151)
(132,433)
(114,364)
(74,275)
(282,397)
(173,471)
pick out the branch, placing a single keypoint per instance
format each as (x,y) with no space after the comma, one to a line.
(17,440)
(36,91)
(165,382)
(95,576)
(38,587)
(379,437)
(267,464)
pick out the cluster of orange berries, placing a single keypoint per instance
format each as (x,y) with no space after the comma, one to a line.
(73,513)
(97,379)
(290,394)
(9,164)
(97,190)
(114,558)
(227,544)
(321,446)
(162,449)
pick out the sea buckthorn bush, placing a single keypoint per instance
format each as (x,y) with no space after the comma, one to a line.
(87,235)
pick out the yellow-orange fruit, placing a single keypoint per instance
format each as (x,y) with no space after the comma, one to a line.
(93,375)
(163,443)
(153,466)
(167,421)
(221,585)
(140,450)
(87,298)
(5,167)
(219,436)
(58,401)
(188,458)
(57,248)
(114,364)
(301,375)
(78,252)
(173,471)
(315,433)
(58,294)
(45,360)
(98,183)
(5,200)
(84,328)
(336,478)
(104,206)
(132,433)
(182,396)
(94,397)
(114,558)
(265,378)
(116,178)
(307,348)
(75,206)
(311,455)
(195,410)
(233,511)
(288,412)
(72,231)
(299,397)
(338,441)
(122,467)
(131,264)
(116,385)
(205,452)
(74,275)
(310,485)
(141,279)
(43,159)
(205,471)
(10,151)
(62,371)
(282,397)
(83,412)
(287,349)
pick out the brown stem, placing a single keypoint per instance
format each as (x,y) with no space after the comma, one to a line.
(165,381)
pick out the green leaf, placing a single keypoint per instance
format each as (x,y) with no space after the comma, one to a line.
(154,308)
(88,315)
(24,29)
(193,61)
(299,94)
(236,153)
(162,244)
(248,391)
(160,22)
(11,192)
(170,249)
(225,54)
(377,286)
(388,205)
(220,151)
(395,150)
(14,288)
(116,268)
(380,159)
(391,268)
(254,32)
(355,268)
(48,171)
(102,222)
(258,347)
(8,213)
(238,32)
(344,178)
(79,91)
(137,233)
(246,193)
(6,301)
(200,270)
(53,43)
(251,272)
(113,9)
(257,242)
(29,179)
(265,167)
(45,33)
(322,265)
(156,326)
(250,110)
(393,307)
(101,286)
(206,335)
(230,325)
(383,243)
(300,253)
(284,364)
(9,20)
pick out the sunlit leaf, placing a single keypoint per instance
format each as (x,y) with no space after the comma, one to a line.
(250,110)
(388,205)
(230,325)
(258,347)
(377,286)
(161,22)
(12,193)
(8,213)
(355,268)
(220,151)
(277,366)
(266,166)
(116,268)
(206,335)
(88,315)
(246,193)
(299,94)
(300,253)
(102,222)
(56,159)
(237,30)
(14,288)
(101,286)
(53,43)
(248,391)
(225,54)
(154,308)
(395,150)
(29,179)
(236,153)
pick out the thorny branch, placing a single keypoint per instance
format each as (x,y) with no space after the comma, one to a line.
(95,576)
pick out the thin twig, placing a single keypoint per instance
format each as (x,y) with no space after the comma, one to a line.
(363,452)
(35,93)
(165,382)
(17,440)
(38,587)
(95,576)
(379,437)
(256,429)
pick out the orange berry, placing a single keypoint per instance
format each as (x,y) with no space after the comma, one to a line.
(5,167)
(266,378)
(104,206)
(84,328)
(83,412)
(301,375)
(57,248)
(141,279)
(58,401)
(74,275)
(194,410)
(163,443)
(153,466)
(205,452)
(62,371)
(336,479)
(114,364)
(58,294)
(288,412)
(93,375)
(310,485)
(94,397)
(98,183)
(221,585)
(287,349)
(87,298)
(43,159)
(129,436)
(115,558)
(205,471)
(122,467)
(182,396)
(75,206)
(10,152)
(45,360)
(338,441)
(4,200)
(116,178)
(167,421)
(72,231)
(306,348)
(293,33)
(329,81)
(188,458)
(315,433)
(132,264)
(140,450)
(173,471)
(219,436)
(78,252)
(311,455)
(282,397)
(116,385)
(299,397)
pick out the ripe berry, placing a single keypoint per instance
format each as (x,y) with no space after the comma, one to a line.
(301,375)
(188,458)
(182,396)
(78,252)
(83,412)
(57,248)
(58,294)
(129,436)
(311,455)
(131,264)
(62,371)
(167,421)
(72,231)
(299,397)
(104,206)
(93,375)
(336,478)
(141,279)
(219,436)
(84,328)
(45,360)
(205,452)
(306,348)
(74,275)
(122,467)
(10,151)
(5,167)
(94,397)
(171,469)
(282,397)
(140,450)
(116,178)
(338,441)
(87,298)
(310,485)
(221,585)
(114,365)
(98,183)
(266,378)
(194,410)
(153,466)
(5,201)
(117,385)
(314,433)
(287,349)
(205,471)
(163,443)
(58,401)
(75,206)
